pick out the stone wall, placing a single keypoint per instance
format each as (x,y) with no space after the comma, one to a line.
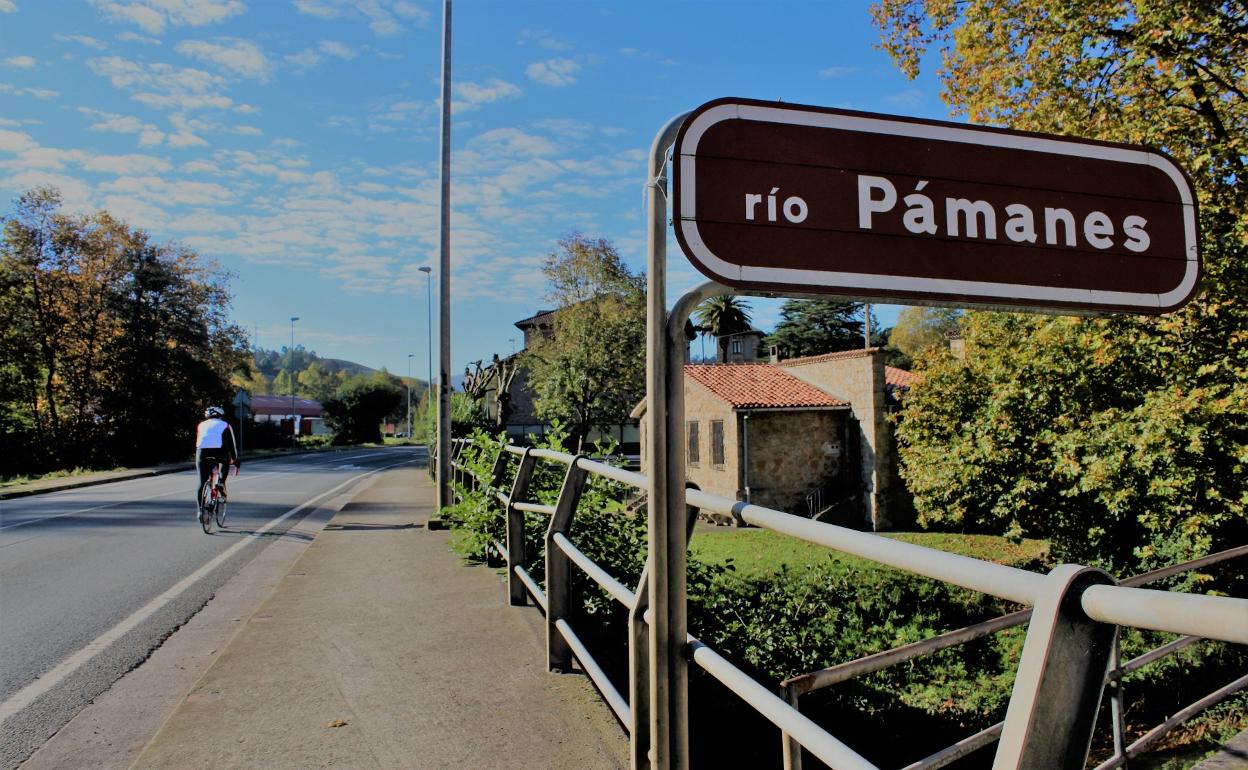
(790,453)
(702,407)
(858,377)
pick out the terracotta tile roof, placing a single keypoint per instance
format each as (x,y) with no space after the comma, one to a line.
(759,386)
(900,378)
(827,357)
(276,404)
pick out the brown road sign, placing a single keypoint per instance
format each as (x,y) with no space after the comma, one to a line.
(784,198)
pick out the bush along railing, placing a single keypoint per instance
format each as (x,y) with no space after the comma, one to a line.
(795,687)
(1070,646)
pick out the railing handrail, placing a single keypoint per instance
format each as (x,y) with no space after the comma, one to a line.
(1121,604)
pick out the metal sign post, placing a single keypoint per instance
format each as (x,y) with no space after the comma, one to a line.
(668,676)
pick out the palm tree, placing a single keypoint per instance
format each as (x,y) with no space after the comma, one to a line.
(720,316)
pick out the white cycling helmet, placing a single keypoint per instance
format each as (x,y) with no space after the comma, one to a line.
(214,411)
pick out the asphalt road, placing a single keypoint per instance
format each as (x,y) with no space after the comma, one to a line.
(92,580)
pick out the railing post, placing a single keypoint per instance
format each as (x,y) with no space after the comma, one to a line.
(558,582)
(1115,698)
(639,674)
(792,749)
(517,594)
(1061,675)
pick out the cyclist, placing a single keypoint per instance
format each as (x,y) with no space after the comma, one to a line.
(214,443)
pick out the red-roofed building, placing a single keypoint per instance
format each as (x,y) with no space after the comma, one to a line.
(308,414)
(808,435)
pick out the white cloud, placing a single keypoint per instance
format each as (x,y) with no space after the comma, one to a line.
(200,167)
(153,15)
(21,62)
(247,131)
(340,50)
(163,86)
(125,164)
(133,37)
(304,60)
(543,39)
(42,94)
(321,9)
(240,57)
(382,15)
(246,109)
(15,142)
(8,6)
(167,192)
(504,142)
(648,56)
(473,95)
(86,40)
(554,72)
(830,73)
(108,122)
(909,98)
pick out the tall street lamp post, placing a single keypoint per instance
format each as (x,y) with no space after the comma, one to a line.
(428,271)
(409,396)
(294,423)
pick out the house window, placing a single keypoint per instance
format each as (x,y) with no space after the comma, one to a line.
(694,440)
(736,345)
(717,442)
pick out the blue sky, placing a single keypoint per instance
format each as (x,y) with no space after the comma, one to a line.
(296,141)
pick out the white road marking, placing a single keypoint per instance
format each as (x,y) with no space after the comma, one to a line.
(27,695)
(127,501)
(168,494)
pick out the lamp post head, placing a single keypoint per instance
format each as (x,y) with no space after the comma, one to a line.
(294,318)
(425,269)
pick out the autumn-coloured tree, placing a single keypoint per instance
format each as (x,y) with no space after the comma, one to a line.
(112,343)
(1124,439)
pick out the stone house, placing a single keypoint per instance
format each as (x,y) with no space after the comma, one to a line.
(807,435)
(523,424)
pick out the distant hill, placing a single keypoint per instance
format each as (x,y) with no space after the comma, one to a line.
(350,367)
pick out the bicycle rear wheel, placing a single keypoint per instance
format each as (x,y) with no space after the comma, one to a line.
(221,501)
(206,507)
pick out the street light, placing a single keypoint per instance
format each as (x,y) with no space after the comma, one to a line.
(294,425)
(428,271)
(409,396)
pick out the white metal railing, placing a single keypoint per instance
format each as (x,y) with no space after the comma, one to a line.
(1068,639)
(798,686)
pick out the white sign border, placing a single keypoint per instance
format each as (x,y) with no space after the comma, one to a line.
(781,278)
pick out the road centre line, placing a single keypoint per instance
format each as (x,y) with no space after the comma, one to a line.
(27,695)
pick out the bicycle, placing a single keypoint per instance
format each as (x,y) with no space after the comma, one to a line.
(213,499)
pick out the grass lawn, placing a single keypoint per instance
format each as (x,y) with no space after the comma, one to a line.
(761,552)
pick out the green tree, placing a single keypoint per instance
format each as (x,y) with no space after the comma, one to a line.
(356,411)
(318,382)
(809,327)
(720,316)
(591,371)
(1123,438)
(922,330)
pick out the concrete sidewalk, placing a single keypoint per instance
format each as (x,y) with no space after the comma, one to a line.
(380,648)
